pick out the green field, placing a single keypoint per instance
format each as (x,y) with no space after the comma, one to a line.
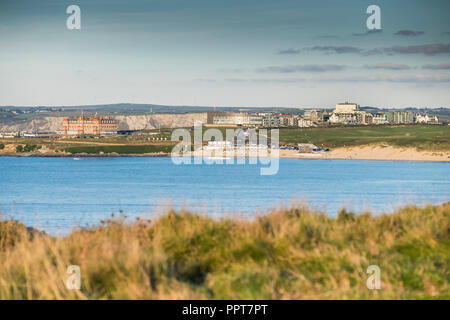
(287,254)
(431,137)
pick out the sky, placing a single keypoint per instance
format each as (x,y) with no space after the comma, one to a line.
(245,53)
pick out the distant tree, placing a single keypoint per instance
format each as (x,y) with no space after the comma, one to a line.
(2,146)
(28,148)
(19,148)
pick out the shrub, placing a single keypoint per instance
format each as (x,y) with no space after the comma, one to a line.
(28,148)
(131,149)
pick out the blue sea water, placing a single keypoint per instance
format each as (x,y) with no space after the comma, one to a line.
(58,194)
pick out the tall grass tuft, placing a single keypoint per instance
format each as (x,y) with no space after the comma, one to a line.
(289,253)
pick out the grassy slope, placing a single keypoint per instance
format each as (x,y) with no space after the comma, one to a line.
(287,254)
(420,136)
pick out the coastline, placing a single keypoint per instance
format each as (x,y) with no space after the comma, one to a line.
(82,155)
(373,152)
(365,152)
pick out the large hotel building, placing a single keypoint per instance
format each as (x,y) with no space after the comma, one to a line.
(89,125)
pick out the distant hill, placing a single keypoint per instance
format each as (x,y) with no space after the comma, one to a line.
(21,114)
(127,108)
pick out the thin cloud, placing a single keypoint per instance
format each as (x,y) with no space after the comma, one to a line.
(231,70)
(392,78)
(387,66)
(302,68)
(417,78)
(328,37)
(408,33)
(368,33)
(335,49)
(289,51)
(205,80)
(265,80)
(426,49)
(442,66)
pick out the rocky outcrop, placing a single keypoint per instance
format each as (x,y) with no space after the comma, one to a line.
(33,125)
(159,121)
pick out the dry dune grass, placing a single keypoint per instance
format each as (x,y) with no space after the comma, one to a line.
(287,254)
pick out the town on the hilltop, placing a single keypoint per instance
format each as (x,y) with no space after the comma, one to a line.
(344,114)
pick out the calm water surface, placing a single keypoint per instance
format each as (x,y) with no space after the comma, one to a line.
(57,194)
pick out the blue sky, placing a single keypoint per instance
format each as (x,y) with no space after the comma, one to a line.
(225,53)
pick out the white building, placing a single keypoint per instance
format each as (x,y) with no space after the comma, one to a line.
(349,113)
(379,118)
(271,121)
(303,123)
(426,119)
(343,118)
(9,134)
(218,145)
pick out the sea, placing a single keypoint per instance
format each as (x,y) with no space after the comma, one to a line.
(57,195)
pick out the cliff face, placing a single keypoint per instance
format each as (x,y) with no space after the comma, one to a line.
(159,121)
(124,122)
(34,125)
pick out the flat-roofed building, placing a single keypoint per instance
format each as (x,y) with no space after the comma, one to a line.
(426,119)
(268,120)
(379,118)
(313,115)
(303,123)
(289,120)
(364,117)
(271,121)
(343,118)
(350,114)
(232,119)
(399,117)
(346,107)
(89,125)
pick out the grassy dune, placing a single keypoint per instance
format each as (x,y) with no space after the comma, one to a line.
(286,254)
(427,137)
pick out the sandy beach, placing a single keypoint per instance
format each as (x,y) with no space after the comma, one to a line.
(372,152)
(367,152)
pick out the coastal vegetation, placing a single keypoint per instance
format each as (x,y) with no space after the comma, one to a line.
(288,253)
(421,137)
(27,148)
(425,137)
(131,149)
